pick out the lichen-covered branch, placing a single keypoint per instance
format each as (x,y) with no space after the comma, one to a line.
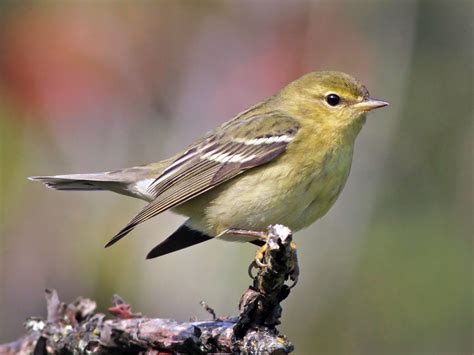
(77,328)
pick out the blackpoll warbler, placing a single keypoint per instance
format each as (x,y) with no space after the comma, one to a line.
(284,160)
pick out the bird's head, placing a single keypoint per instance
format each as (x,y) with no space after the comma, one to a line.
(329,98)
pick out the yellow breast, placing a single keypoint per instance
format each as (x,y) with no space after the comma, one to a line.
(295,190)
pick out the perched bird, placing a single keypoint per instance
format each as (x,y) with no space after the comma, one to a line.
(284,160)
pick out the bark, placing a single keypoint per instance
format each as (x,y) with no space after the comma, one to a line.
(77,328)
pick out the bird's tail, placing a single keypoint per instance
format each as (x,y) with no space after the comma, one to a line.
(130,181)
(183,237)
(77,182)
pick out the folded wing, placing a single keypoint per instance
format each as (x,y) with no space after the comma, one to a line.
(228,151)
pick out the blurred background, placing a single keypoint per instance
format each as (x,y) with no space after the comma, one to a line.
(88,86)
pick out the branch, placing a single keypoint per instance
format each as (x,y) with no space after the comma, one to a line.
(77,328)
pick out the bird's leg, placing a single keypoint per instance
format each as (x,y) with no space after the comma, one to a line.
(260,255)
(258,261)
(252,235)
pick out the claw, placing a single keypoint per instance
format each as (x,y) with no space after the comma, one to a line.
(260,264)
(257,262)
(260,255)
(252,265)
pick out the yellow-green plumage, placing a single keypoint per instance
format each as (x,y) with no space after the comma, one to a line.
(284,160)
(303,183)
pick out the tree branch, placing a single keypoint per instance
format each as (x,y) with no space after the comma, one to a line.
(77,328)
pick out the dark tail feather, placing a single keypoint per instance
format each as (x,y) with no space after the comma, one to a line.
(68,183)
(184,237)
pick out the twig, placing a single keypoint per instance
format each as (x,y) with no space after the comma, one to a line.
(208,309)
(76,328)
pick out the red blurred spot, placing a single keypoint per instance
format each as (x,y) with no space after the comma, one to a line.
(54,63)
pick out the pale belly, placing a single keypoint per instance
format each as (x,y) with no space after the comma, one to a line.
(271,194)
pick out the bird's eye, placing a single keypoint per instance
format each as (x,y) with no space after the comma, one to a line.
(333,100)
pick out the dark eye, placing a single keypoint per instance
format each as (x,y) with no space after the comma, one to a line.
(333,99)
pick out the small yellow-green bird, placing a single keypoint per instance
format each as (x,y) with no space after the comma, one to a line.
(284,160)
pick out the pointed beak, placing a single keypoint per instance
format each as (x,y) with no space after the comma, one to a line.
(369,104)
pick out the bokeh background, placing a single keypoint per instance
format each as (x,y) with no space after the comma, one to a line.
(94,86)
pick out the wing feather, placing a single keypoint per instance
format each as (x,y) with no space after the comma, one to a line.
(222,155)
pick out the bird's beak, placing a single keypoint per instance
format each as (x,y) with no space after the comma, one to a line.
(369,104)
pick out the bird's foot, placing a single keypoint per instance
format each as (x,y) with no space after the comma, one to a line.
(259,262)
(252,235)
(260,256)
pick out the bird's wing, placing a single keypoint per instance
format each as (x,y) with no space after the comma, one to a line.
(224,153)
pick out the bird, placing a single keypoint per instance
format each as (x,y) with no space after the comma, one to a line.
(284,160)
